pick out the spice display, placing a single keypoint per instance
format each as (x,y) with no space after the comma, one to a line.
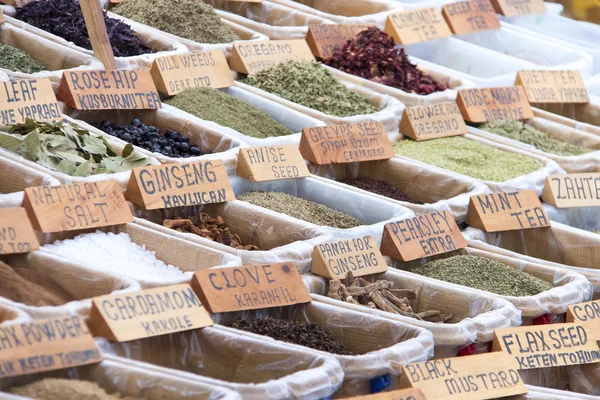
(15,59)
(209,228)
(379,187)
(67,148)
(65,19)
(65,389)
(169,143)
(517,130)
(303,333)
(115,254)
(484,274)
(468,157)
(297,207)
(213,105)
(189,19)
(373,55)
(381,295)
(311,85)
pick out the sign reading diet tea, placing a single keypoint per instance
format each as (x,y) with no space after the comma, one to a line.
(572,190)
(249,57)
(174,74)
(16,232)
(152,312)
(178,185)
(108,90)
(488,104)
(470,16)
(27,98)
(507,211)
(250,287)
(346,143)
(587,313)
(361,256)
(476,377)
(46,345)
(414,26)
(324,39)
(270,163)
(542,346)
(82,205)
(553,86)
(513,8)
(421,236)
(432,121)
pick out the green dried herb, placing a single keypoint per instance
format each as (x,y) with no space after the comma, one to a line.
(517,130)
(468,157)
(311,85)
(17,60)
(189,19)
(484,274)
(66,148)
(213,105)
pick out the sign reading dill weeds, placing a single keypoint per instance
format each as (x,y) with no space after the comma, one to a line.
(176,185)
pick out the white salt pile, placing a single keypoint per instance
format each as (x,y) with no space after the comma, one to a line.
(114,254)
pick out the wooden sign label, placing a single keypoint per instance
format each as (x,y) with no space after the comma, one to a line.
(477,377)
(324,39)
(250,287)
(270,163)
(152,312)
(414,26)
(108,90)
(16,232)
(360,255)
(346,143)
(553,345)
(513,8)
(488,104)
(27,98)
(572,190)
(250,57)
(470,16)
(553,86)
(174,74)
(177,185)
(586,313)
(404,394)
(421,236)
(46,345)
(17,3)
(2,19)
(77,206)
(432,121)
(507,211)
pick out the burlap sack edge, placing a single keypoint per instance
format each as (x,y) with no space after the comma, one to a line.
(570,122)
(27,175)
(19,315)
(542,393)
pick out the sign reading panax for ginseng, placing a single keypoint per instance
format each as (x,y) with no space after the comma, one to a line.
(270,163)
(249,57)
(432,121)
(16,232)
(470,16)
(324,39)
(414,26)
(27,98)
(550,86)
(572,190)
(489,104)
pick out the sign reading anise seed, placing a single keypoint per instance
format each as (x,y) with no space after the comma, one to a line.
(270,163)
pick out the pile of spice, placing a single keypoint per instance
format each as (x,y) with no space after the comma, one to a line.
(209,228)
(381,188)
(169,143)
(297,207)
(517,130)
(380,295)
(114,254)
(65,19)
(373,55)
(303,333)
(67,148)
(66,389)
(213,105)
(311,85)
(468,157)
(17,60)
(484,274)
(189,19)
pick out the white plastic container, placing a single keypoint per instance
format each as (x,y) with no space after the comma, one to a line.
(593,84)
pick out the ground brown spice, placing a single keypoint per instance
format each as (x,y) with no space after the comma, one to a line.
(66,389)
(381,188)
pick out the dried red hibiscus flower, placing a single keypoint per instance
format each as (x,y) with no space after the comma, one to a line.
(373,55)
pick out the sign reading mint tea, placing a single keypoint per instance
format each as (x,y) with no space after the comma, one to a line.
(324,39)
(572,190)
(249,57)
(27,98)
(551,86)
(270,163)
(414,26)
(489,104)
(16,232)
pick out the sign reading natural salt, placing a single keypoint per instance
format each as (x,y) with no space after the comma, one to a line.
(249,57)
(572,190)
(178,185)
(270,163)
(553,86)
(81,205)
(513,8)
(432,121)
(414,26)
(489,104)
(250,287)
(27,98)
(586,313)
(470,16)
(507,211)
(324,39)
(16,232)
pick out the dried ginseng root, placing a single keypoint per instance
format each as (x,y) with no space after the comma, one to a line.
(381,295)
(210,228)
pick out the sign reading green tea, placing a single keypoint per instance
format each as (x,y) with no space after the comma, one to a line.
(470,16)
(550,86)
(324,39)
(27,98)
(108,90)
(572,190)
(414,26)
(586,313)
(16,232)
(513,8)
(543,346)
(432,121)
(179,185)
(489,104)
(270,163)
(249,57)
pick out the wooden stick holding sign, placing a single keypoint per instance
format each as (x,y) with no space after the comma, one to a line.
(96,27)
